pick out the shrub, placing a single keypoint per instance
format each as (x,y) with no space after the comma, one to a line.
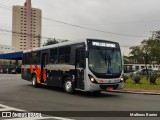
(125,77)
(153,76)
(136,77)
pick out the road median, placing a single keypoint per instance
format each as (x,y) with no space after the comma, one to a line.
(138,91)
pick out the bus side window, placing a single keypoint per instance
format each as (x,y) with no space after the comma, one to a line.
(53,56)
(35,58)
(23,58)
(27,58)
(64,55)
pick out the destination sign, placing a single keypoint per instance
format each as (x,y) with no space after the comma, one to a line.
(102,44)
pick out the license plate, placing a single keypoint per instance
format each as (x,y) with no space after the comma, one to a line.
(109,88)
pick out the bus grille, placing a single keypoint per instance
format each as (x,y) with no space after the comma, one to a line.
(104,87)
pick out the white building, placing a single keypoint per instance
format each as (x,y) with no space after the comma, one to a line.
(6,49)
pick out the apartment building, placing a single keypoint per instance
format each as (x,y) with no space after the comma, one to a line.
(26,27)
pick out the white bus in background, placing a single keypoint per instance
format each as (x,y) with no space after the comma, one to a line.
(136,67)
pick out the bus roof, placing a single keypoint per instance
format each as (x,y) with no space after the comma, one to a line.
(55,45)
(71,42)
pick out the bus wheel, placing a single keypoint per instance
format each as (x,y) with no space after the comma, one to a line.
(34,81)
(68,86)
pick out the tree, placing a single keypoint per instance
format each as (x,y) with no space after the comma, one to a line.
(155,46)
(125,59)
(141,53)
(146,53)
(51,41)
(136,53)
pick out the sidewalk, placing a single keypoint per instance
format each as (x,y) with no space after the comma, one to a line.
(138,91)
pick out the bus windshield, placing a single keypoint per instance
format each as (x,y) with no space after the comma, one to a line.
(107,61)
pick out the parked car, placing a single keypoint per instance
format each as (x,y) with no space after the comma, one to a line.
(2,69)
(143,71)
(13,71)
(16,70)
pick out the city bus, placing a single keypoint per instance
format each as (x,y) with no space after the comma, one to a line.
(91,65)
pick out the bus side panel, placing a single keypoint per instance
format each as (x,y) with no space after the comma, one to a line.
(56,74)
(26,73)
(54,78)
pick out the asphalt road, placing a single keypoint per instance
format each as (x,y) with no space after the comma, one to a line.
(20,94)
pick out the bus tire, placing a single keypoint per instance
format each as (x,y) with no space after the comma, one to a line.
(34,81)
(68,86)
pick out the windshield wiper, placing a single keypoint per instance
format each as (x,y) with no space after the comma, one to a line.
(109,58)
(101,53)
(106,56)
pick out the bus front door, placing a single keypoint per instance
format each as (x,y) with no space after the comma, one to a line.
(79,66)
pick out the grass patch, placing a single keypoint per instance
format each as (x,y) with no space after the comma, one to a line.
(144,84)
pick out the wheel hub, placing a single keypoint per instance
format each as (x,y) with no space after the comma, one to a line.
(68,85)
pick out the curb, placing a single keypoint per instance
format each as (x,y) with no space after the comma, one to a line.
(135,92)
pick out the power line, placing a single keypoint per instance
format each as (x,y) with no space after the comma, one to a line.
(15,33)
(129,22)
(19,34)
(92,29)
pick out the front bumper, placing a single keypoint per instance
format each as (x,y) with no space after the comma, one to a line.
(105,87)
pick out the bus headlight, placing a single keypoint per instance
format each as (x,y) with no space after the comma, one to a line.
(121,80)
(92,79)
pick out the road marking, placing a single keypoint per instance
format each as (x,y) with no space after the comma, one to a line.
(7,108)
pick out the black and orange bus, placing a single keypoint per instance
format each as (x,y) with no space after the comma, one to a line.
(87,65)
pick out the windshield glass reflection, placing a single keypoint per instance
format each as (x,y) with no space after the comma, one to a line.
(105,61)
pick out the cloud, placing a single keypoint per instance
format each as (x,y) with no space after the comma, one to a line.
(137,17)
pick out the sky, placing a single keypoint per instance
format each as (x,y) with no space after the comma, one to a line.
(125,21)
